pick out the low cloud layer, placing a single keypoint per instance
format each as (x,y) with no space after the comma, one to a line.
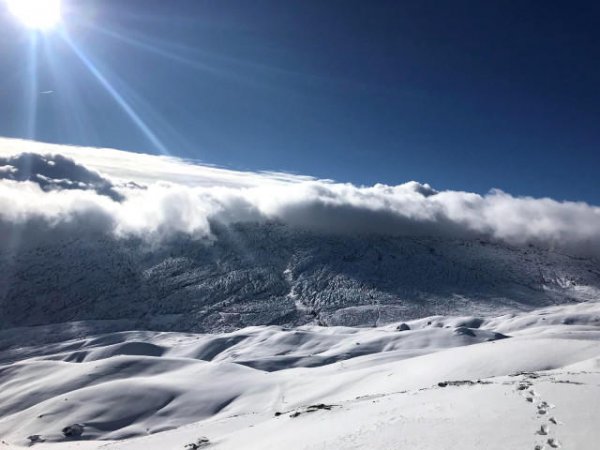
(155,197)
(55,173)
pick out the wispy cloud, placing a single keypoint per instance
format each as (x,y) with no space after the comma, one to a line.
(122,166)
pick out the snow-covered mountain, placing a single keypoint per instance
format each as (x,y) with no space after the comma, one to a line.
(152,303)
(270,273)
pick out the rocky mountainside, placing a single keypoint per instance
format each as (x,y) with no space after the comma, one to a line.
(258,274)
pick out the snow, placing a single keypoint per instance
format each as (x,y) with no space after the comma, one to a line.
(260,274)
(516,380)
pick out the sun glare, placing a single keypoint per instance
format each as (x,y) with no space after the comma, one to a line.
(36,14)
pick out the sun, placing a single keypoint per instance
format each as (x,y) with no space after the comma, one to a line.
(36,14)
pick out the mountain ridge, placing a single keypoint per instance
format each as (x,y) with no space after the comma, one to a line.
(274,274)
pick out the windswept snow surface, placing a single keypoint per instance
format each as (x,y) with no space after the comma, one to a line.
(528,380)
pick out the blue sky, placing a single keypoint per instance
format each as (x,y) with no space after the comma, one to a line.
(464,95)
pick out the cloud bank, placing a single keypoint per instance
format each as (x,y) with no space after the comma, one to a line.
(54,173)
(130,194)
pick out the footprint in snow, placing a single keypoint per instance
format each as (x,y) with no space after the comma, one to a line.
(523,385)
(542,409)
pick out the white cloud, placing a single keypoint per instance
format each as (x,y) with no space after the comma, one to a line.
(180,196)
(141,168)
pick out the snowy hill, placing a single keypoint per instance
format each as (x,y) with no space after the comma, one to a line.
(270,273)
(528,380)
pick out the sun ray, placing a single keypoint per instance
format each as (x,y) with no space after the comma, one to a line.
(73,124)
(218,65)
(153,48)
(117,97)
(32,87)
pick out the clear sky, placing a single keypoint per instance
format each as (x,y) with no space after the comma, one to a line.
(466,95)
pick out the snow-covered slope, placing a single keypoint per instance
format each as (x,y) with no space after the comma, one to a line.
(260,274)
(528,380)
(153,303)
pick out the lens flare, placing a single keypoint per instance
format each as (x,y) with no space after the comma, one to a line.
(36,14)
